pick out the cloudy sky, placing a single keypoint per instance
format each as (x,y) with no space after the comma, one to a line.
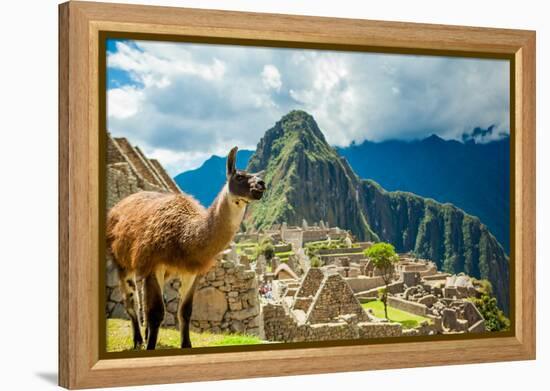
(182,103)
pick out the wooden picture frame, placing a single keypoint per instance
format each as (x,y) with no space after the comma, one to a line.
(82,365)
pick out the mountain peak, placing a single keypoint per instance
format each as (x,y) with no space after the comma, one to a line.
(294,135)
(306,178)
(297,115)
(301,122)
(434,138)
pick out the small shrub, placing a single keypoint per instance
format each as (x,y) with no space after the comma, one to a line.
(315,261)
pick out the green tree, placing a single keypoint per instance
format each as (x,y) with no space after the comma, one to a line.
(495,320)
(315,261)
(384,258)
(268,250)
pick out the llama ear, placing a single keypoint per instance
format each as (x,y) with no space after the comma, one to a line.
(231,160)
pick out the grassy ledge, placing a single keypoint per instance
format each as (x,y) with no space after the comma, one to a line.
(406,319)
(119,338)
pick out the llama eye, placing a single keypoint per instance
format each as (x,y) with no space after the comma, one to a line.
(240,178)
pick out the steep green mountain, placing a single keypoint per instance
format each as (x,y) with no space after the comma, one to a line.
(445,170)
(205,182)
(307,178)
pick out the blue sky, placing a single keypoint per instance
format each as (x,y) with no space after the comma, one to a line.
(182,103)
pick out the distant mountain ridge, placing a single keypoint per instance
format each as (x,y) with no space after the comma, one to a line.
(445,170)
(473,176)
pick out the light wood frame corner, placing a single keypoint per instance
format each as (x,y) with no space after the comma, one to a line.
(80,24)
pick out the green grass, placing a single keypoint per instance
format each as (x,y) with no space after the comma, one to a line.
(325,244)
(284,254)
(406,319)
(119,338)
(242,247)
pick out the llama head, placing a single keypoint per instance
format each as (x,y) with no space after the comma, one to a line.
(241,184)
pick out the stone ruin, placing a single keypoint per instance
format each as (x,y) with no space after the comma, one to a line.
(320,308)
(298,236)
(226,299)
(425,291)
(417,288)
(128,172)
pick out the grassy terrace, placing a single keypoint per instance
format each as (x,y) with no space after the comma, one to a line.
(325,244)
(407,320)
(244,246)
(284,255)
(119,338)
(241,247)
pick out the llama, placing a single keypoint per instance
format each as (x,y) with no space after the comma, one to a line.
(154,236)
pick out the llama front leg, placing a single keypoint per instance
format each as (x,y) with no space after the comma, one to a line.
(187,289)
(129,291)
(154,309)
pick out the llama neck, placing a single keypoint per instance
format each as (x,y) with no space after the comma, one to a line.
(223,220)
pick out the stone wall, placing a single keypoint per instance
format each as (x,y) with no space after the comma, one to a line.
(353,250)
(408,306)
(328,259)
(243,237)
(379,330)
(114,307)
(281,327)
(122,181)
(393,288)
(314,235)
(294,237)
(280,248)
(226,300)
(363,283)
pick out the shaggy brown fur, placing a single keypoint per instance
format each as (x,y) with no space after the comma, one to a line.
(147,229)
(156,235)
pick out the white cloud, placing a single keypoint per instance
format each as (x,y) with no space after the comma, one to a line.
(155,64)
(190,101)
(371,96)
(124,102)
(271,77)
(175,162)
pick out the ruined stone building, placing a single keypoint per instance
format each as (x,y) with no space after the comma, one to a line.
(321,307)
